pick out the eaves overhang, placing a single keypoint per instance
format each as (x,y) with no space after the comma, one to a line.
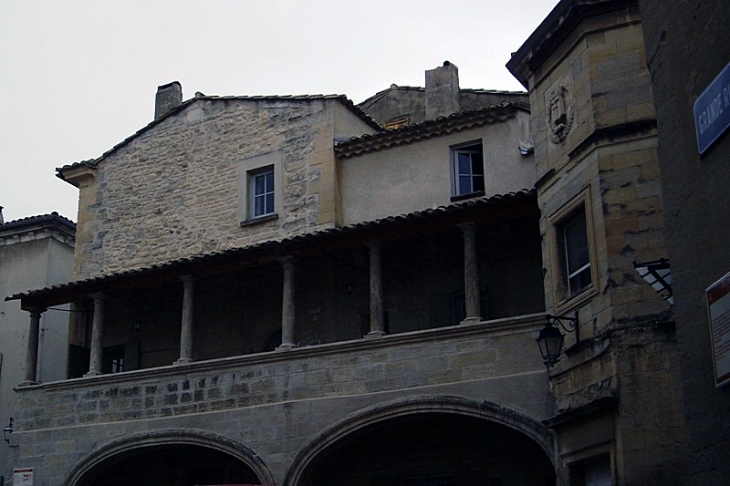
(32,223)
(554,30)
(480,210)
(417,132)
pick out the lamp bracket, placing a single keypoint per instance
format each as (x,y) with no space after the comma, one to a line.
(567,323)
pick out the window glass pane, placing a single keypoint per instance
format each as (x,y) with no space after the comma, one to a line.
(477,163)
(270,203)
(478,183)
(464,185)
(576,243)
(258,206)
(464,163)
(269,181)
(259,184)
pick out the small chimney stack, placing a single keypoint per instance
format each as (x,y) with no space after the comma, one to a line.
(442,91)
(168,97)
(2,219)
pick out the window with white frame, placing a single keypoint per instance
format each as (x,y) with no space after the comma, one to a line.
(259,188)
(467,169)
(574,238)
(261,192)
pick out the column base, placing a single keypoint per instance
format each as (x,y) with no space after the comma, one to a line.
(285,347)
(28,383)
(375,334)
(471,320)
(93,373)
(182,361)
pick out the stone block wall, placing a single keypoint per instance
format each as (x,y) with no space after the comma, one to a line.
(277,403)
(173,189)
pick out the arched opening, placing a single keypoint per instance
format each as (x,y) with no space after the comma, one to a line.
(170,465)
(431,449)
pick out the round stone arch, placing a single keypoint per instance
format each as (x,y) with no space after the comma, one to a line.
(442,404)
(186,437)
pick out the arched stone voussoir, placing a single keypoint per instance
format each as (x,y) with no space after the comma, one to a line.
(444,404)
(179,437)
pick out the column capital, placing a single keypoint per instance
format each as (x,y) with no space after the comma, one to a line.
(288,261)
(36,310)
(373,244)
(189,279)
(97,296)
(468,227)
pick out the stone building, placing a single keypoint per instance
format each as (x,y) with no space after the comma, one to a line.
(35,252)
(598,190)
(688,49)
(280,291)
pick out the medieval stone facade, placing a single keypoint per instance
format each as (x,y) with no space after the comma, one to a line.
(280,290)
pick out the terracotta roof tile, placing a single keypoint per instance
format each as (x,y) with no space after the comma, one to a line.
(465,207)
(428,129)
(39,219)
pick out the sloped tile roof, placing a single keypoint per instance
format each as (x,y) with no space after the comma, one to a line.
(428,129)
(201,97)
(183,265)
(54,217)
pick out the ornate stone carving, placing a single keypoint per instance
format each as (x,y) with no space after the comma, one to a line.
(560,109)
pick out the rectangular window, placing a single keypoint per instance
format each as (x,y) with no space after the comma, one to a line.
(468,170)
(262,192)
(577,259)
(571,251)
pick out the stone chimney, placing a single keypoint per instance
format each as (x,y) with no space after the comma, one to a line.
(442,91)
(2,219)
(168,97)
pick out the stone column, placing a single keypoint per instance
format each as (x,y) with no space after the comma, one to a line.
(186,327)
(471,274)
(31,357)
(377,321)
(288,309)
(97,332)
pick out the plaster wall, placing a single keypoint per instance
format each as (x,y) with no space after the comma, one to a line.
(417,176)
(30,261)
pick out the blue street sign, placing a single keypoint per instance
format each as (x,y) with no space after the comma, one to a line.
(712,111)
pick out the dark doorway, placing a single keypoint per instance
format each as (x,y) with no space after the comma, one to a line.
(432,449)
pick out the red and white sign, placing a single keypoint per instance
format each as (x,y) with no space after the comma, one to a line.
(718,307)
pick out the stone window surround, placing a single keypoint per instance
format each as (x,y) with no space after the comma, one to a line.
(454,150)
(252,165)
(561,298)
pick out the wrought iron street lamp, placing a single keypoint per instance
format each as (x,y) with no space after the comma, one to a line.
(550,340)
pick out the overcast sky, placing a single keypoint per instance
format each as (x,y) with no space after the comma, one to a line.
(79,76)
